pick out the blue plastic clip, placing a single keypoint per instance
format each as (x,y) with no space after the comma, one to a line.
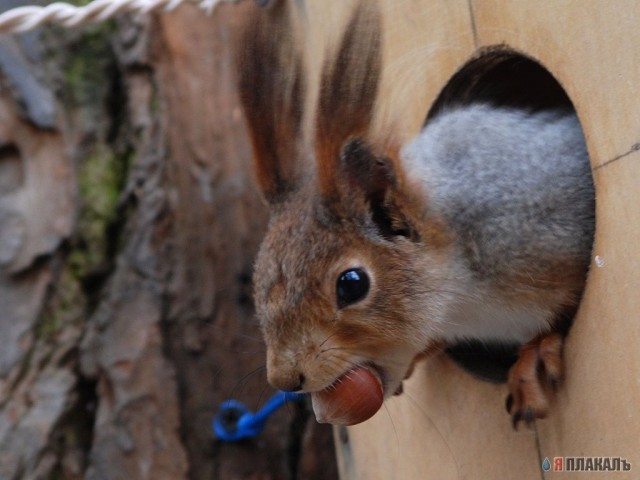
(235,422)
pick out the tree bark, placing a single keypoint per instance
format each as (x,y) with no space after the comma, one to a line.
(128,225)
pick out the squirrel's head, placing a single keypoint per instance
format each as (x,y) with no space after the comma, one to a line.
(335,291)
(341,277)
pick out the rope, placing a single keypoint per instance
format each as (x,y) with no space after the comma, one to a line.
(22,19)
(235,422)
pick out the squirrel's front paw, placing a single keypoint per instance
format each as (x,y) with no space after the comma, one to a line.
(536,373)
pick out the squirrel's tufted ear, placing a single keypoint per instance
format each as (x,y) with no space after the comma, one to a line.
(363,173)
(370,186)
(356,179)
(348,89)
(271,84)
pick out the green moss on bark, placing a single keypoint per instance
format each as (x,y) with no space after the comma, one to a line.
(101,178)
(66,306)
(89,66)
(92,86)
(89,84)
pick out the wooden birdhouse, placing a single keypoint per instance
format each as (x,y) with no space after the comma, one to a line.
(449,424)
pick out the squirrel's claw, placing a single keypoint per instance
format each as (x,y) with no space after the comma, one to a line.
(534,376)
(399,390)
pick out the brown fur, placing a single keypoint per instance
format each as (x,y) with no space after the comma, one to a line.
(348,91)
(272,87)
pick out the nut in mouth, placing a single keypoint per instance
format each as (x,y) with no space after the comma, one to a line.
(355,396)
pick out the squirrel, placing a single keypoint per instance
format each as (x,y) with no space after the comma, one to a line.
(378,255)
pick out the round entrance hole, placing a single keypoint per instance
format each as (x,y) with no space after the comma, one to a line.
(501,78)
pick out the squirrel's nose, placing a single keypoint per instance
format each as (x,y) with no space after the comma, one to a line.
(287,382)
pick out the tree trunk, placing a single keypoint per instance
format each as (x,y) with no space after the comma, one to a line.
(128,225)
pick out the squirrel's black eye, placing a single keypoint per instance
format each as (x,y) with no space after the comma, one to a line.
(351,287)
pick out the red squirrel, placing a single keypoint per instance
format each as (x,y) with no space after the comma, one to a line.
(379,254)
